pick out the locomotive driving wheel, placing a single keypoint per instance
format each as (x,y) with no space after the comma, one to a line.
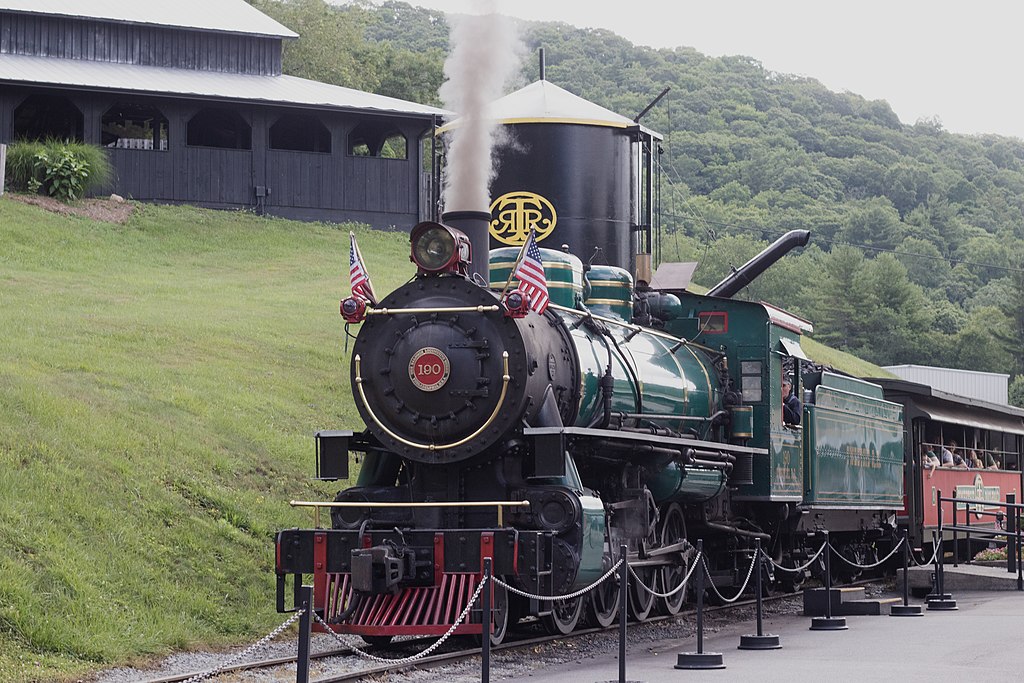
(673,530)
(603,600)
(641,600)
(504,615)
(565,615)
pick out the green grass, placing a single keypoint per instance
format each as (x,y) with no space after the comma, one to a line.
(159,385)
(841,360)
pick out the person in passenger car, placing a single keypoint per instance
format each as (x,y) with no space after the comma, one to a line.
(974,462)
(791,407)
(990,462)
(959,461)
(947,456)
(928,459)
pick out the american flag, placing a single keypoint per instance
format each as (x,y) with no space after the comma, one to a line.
(530,273)
(358,278)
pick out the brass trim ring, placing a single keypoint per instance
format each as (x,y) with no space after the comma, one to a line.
(435,447)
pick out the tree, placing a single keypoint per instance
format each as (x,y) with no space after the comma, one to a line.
(978,344)
(839,308)
(897,320)
(924,263)
(1017,391)
(1012,337)
(330,46)
(873,223)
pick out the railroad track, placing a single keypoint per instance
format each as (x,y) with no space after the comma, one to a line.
(456,656)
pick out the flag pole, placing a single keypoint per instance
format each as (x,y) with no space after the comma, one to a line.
(359,255)
(515,266)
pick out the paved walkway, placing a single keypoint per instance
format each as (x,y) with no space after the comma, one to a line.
(981,641)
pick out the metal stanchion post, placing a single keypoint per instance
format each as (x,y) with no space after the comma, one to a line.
(1017,543)
(759,641)
(967,534)
(485,624)
(828,622)
(305,632)
(956,543)
(623,598)
(906,609)
(935,595)
(943,602)
(1011,528)
(700,659)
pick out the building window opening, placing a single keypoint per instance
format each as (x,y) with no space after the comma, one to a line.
(48,116)
(299,133)
(129,125)
(222,128)
(377,140)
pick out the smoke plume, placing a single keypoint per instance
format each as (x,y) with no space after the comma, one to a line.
(485,54)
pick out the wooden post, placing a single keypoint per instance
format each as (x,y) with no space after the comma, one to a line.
(3,166)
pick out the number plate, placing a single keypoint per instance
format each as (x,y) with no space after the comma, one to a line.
(429,369)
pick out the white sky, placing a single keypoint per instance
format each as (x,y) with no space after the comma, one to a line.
(960,61)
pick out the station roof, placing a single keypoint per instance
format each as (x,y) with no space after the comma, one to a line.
(544,102)
(82,74)
(225,16)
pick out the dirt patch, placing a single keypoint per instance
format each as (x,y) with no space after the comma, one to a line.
(108,210)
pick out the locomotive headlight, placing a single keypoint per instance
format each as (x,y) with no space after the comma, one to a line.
(517,305)
(439,248)
(353,310)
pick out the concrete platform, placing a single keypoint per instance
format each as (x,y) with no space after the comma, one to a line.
(979,642)
(966,577)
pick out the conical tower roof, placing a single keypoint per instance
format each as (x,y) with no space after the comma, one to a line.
(544,102)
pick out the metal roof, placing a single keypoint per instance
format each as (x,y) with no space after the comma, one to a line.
(980,418)
(544,102)
(230,16)
(919,391)
(81,74)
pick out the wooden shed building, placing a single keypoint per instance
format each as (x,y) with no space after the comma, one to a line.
(189,100)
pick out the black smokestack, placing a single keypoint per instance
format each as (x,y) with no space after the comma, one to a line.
(748,272)
(474,224)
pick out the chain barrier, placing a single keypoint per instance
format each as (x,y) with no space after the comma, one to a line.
(794,570)
(874,565)
(929,562)
(235,659)
(570,596)
(729,601)
(675,590)
(424,653)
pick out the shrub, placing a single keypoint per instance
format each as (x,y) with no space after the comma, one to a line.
(21,163)
(61,168)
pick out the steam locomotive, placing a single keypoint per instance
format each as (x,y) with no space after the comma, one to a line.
(624,415)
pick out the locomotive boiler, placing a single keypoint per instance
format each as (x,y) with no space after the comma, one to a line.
(546,442)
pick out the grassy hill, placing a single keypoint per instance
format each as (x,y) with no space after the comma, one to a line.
(159,385)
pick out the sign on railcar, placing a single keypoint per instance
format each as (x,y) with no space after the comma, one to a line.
(989,485)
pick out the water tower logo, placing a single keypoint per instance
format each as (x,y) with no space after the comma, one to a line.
(514,214)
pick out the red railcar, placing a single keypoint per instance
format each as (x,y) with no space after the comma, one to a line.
(934,420)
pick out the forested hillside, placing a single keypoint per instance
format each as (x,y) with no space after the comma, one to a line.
(917,252)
